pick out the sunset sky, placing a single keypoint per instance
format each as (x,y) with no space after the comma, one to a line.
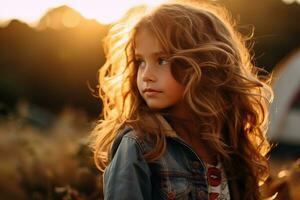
(104,11)
(31,11)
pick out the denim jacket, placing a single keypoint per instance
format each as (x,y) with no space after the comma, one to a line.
(178,174)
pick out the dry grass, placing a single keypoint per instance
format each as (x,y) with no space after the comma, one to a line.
(49,164)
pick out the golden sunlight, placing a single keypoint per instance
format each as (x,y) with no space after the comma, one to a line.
(291,1)
(282,173)
(105,12)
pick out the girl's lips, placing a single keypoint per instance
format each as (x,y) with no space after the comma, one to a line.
(151,94)
(151,90)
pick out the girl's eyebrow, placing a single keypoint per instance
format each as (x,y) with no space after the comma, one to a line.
(159,53)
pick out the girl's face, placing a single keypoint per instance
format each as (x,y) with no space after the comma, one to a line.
(155,81)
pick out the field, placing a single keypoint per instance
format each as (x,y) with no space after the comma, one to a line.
(52,162)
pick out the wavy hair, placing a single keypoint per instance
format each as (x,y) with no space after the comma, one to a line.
(229,95)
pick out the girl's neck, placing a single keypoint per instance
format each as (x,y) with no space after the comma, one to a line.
(185,128)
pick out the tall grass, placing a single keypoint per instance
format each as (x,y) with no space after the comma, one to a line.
(39,163)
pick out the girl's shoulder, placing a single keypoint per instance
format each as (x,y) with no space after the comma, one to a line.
(127,137)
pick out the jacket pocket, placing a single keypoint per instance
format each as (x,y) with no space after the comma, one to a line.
(176,187)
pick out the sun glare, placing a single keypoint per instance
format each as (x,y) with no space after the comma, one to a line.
(291,1)
(30,11)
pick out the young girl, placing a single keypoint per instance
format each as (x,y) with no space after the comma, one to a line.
(185,112)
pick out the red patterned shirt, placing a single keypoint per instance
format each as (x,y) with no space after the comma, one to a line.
(217,182)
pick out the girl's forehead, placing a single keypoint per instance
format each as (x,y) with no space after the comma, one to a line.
(145,42)
(143,32)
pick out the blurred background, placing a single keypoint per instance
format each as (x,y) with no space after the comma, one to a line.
(50,53)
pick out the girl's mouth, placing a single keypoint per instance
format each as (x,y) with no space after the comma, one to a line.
(150,90)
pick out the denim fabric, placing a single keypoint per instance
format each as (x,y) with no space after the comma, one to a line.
(128,175)
(178,174)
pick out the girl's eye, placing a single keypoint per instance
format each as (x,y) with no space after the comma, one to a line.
(139,62)
(162,61)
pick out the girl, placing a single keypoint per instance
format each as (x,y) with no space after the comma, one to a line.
(185,112)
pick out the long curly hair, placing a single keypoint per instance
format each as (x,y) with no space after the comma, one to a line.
(229,95)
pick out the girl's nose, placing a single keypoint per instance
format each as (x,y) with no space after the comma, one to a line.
(148,74)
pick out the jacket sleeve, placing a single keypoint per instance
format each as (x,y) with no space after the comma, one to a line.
(127,177)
